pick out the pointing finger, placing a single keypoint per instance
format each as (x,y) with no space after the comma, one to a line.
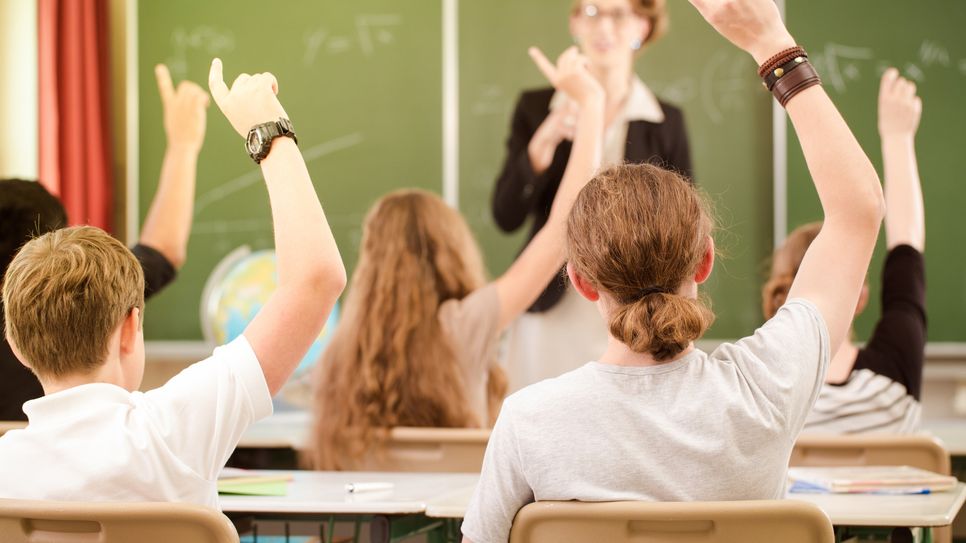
(165,88)
(216,81)
(544,65)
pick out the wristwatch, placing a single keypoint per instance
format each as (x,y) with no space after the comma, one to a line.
(260,137)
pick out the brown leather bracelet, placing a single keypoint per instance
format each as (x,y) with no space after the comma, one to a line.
(773,76)
(795,82)
(780,58)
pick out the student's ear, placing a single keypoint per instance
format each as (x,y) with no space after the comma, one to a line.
(707,263)
(16,352)
(130,329)
(581,285)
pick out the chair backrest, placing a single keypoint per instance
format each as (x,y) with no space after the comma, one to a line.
(920,451)
(7,425)
(34,521)
(430,450)
(788,521)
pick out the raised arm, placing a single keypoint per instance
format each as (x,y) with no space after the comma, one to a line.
(834,268)
(899,113)
(310,271)
(168,223)
(544,255)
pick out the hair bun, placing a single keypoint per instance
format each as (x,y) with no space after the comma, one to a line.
(660,323)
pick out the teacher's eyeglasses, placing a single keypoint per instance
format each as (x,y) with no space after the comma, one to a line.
(593,14)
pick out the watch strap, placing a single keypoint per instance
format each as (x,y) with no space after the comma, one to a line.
(269,131)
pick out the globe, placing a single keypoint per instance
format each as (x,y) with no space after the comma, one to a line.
(237,289)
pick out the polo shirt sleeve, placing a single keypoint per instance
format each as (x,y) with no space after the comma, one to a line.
(503,488)
(202,412)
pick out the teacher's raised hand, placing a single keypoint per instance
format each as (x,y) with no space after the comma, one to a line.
(755,26)
(570,75)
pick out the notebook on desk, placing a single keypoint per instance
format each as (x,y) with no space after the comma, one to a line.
(868,479)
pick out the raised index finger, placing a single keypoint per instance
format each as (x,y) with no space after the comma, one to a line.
(216,81)
(545,66)
(165,87)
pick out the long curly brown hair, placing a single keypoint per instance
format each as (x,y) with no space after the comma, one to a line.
(389,363)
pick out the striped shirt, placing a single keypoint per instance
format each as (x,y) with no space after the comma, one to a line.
(881,394)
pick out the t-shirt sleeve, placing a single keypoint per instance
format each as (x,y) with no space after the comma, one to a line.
(503,488)
(202,412)
(785,361)
(158,271)
(471,326)
(897,346)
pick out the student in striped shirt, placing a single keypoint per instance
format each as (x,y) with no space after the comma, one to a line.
(876,388)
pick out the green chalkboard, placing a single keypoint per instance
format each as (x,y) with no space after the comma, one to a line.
(727,114)
(362,82)
(851,43)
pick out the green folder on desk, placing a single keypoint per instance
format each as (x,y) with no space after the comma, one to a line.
(254,486)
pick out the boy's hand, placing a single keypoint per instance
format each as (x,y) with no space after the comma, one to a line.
(570,75)
(183,110)
(899,107)
(753,25)
(251,100)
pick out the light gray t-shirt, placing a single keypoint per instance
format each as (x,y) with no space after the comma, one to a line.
(708,426)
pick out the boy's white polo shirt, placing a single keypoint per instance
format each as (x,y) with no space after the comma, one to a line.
(99,442)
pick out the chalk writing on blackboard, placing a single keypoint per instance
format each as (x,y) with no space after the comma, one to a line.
(840,65)
(371,31)
(207,40)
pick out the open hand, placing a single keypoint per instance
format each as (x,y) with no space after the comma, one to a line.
(899,107)
(755,26)
(251,100)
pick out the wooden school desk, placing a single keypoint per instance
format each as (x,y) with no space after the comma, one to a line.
(321,497)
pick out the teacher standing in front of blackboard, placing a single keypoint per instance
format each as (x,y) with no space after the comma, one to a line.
(561,330)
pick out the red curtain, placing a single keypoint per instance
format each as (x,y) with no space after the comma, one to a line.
(75,128)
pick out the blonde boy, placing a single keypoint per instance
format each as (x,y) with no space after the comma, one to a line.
(74,306)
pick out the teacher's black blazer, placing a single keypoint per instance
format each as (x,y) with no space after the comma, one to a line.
(519,193)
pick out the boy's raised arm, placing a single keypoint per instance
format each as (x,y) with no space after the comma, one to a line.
(311,275)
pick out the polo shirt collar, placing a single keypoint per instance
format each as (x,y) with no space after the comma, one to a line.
(75,400)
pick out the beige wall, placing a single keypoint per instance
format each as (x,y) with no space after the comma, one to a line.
(18,93)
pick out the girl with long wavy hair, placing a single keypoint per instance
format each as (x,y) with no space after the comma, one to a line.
(417,342)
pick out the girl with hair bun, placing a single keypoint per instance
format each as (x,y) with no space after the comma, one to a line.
(654,418)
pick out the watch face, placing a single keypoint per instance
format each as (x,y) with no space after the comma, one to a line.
(254,142)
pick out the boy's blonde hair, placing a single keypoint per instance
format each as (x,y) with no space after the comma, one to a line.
(64,295)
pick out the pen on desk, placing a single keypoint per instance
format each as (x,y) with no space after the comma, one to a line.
(367,487)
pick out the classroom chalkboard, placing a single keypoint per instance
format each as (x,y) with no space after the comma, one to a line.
(851,43)
(363,83)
